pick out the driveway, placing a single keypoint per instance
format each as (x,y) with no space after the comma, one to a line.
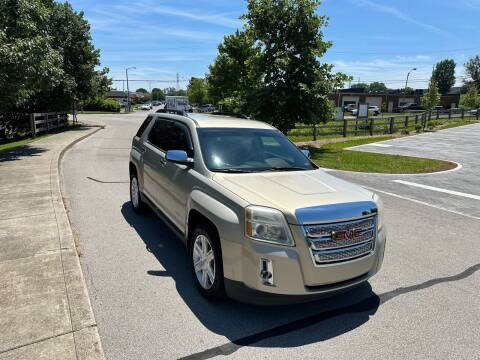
(423,304)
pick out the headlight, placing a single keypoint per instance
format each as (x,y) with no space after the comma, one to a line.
(267,224)
(380,216)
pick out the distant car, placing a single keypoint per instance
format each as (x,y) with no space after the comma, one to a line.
(155,103)
(146,107)
(410,107)
(373,108)
(206,108)
(349,107)
(473,112)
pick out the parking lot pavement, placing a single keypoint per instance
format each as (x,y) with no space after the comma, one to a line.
(457,190)
(423,304)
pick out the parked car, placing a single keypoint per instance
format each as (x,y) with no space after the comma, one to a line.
(261,222)
(349,107)
(410,107)
(146,107)
(206,108)
(375,110)
(472,112)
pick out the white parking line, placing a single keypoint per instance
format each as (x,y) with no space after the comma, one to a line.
(446,191)
(380,145)
(422,203)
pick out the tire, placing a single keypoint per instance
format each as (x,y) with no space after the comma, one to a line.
(135,195)
(202,274)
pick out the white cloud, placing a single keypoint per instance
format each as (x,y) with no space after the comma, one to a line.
(393,11)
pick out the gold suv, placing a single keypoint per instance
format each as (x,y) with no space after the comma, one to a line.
(261,222)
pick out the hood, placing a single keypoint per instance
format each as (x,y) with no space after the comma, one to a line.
(289,191)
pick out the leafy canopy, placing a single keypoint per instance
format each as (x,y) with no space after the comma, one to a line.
(271,69)
(432,97)
(197,91)
(471,99)
(472,68)
(47,58)
(444,75)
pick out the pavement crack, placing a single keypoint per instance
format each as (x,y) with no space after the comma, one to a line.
(368,304)
(107,182)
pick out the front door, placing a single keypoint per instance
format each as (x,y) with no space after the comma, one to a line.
(168,183)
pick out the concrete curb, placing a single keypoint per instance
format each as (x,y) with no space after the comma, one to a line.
(86,338)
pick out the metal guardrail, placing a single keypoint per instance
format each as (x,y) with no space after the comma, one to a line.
(43,122)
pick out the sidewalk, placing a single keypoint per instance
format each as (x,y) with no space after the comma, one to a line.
(45,310)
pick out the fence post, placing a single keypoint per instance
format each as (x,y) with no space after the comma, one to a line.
(463,113)
(371,127)
(406,122)
(45,118)
(438,114)
(345,124)
(477,113)
(314,132)
(33,127)
(424,121)
(391,125)
(449,114)
(416,120)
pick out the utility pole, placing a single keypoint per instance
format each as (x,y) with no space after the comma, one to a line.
(128,89)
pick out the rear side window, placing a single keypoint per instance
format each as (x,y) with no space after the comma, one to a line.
(144,126)
(169,135)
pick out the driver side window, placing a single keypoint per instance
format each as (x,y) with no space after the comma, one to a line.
(170,135)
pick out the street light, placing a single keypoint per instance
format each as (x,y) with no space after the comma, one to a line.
(128,89)
(408,75)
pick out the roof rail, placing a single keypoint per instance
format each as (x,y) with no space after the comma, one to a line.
(175,112)
(220,113)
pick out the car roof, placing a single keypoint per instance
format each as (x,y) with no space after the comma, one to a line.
(219,121)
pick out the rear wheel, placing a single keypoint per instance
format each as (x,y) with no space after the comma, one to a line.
(135,197)
(206,262)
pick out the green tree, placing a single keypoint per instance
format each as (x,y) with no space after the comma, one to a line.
(233,77)
(471,99)
(360,85)
(472,68)
(432,97)
(444,75)
(157,94)
(47,58)
(197,91)
(142,90)
(377,87)
(295,84)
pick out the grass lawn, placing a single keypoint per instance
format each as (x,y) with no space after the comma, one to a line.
(10,145)
(335,156)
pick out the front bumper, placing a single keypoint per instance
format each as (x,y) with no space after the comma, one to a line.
(295,278)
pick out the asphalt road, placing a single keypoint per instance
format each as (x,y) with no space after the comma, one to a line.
(424,304)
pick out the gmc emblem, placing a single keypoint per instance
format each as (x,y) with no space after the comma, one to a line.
(346,234)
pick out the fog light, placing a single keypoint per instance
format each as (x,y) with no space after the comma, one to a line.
(266,272)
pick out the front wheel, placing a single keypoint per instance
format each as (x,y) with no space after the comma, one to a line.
(206,262)
(135,196)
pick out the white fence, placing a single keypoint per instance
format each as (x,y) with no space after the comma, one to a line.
(47,121)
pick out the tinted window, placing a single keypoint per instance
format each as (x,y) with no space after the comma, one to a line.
(250,150)
(144,126)
(169,135)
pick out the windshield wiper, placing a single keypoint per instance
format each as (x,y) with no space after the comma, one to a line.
(232,171)
(286,168)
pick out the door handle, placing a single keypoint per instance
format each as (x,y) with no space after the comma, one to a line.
(143,149)
(163,162)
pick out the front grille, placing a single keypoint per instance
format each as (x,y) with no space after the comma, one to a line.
(343,241)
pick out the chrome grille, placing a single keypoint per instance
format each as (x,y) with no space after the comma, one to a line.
(337,242)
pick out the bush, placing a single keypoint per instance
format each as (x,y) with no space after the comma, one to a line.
(101,104)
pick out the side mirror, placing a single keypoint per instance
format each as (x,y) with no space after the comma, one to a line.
(306,152)
(178,157)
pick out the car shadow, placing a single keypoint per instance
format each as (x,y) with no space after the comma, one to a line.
(244,324)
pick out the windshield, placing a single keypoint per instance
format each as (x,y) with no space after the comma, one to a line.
(250,150)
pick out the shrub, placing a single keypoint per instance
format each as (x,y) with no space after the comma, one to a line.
(101,104)
(418,128)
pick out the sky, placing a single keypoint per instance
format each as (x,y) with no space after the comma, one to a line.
(373,40)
